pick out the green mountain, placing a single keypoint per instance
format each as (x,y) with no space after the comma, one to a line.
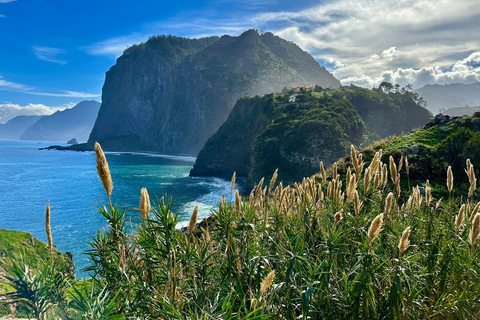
(76,122)
(266,133)
(13,129)
(170,94)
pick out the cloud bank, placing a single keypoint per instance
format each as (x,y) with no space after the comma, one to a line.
(361,42)
(9,110)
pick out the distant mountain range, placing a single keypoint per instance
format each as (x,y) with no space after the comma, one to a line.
(65,125)
(170,94)
(447,96)
(14,128)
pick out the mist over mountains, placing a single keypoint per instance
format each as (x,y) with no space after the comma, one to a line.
(447,96)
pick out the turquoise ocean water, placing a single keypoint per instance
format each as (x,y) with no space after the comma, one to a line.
(29,178)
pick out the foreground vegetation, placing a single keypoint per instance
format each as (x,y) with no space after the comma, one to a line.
(330,247)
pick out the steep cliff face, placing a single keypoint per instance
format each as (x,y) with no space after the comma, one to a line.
(266,133)
(171,94)
(76,122)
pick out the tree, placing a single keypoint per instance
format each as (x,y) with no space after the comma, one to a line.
(386,86)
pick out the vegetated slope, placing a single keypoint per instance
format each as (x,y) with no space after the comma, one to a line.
(14,128)
(444,141)
(76,122)
(265,133)
(450,95)
(171,94)
(22,248)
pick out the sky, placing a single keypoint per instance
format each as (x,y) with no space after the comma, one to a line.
(54,54)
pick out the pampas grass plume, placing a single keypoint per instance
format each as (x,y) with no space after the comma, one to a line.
(48,229)
(459,218)
(449,179)
(103,170)
(274,179)
(193,220)
(404,243)
(475,230)
(144,204)
(267,282)
(234,177)
(375,228)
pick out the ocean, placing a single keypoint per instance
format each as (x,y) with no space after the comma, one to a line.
(30,178)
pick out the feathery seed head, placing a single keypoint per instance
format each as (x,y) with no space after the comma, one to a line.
(323,173)
(48,229)
(267,282)
(103,170)
(234,177)
(407,168)
(393,170)
(375,228)
(428,193)
(459,218)
(144,203)
(274,179)
(388,204)
(238,200)
(400,164)
(404,243)
(193,220)
(337,217)
(449,179)
(475,230)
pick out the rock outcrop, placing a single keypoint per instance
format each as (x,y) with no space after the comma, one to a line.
(170,94)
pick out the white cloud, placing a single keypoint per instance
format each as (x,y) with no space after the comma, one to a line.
(17,87)
(7,1)
(49,54)
(389,53)
(9,110)
(4,84)
(64,94)
(2,16)
(374,57)
(463,71)
(336,63)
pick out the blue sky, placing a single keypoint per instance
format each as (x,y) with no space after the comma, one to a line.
(55,53)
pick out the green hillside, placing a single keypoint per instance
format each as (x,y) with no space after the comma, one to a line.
(269,132)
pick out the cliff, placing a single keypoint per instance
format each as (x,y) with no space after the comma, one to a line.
(76,122)
(13,129)
(266,133)
(170,94)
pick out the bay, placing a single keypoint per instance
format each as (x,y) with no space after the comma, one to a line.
(30,178)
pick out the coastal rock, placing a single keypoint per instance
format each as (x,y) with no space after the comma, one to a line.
(72,141)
